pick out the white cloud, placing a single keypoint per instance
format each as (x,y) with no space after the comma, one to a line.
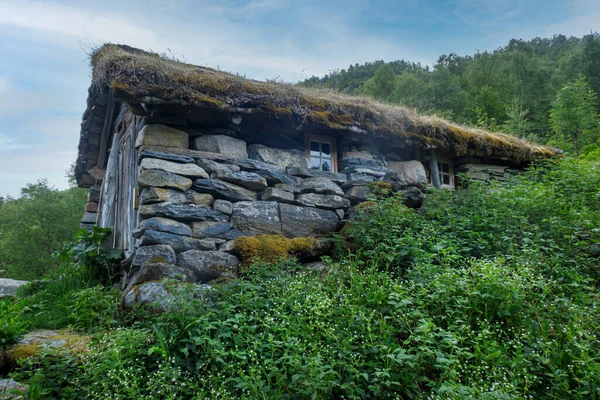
(80,23)
(577,26)
(7,144)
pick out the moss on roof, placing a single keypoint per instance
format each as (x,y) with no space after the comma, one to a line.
(136,75)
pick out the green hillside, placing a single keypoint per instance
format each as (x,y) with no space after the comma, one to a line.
(515,88)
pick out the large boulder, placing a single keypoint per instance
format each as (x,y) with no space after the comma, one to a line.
(163,225)
(299,221)
(258,217)
(157,271)
(157,253)
(249,180)
(321,186)
(163,179)
(8,287)
(329,201)
(177,243)
(162,136)
(181,212)
(209,265)
(189,170)
(159,296)
(222,144)
(413,197)
(411,173)
(224,190)
(282,158)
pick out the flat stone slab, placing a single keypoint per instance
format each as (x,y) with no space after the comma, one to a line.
(8,287)
(181,212)
(178,158)
(158,178)
(224,190)
(189,170)
(163,136)
(282,158)
(307,221)
(45,338)
(223,144)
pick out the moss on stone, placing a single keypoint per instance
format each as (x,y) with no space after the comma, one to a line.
(271,248)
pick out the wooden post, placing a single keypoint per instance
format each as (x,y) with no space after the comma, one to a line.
(109,186)
(435,173)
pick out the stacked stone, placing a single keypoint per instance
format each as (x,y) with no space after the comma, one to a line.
(91,208)
(194,203)
(486,172)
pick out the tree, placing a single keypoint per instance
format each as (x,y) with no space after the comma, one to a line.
(591,61)
(381,85)
(573,117)
(35,225)
(516,120)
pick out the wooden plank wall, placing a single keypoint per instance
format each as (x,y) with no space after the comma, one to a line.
(118,208)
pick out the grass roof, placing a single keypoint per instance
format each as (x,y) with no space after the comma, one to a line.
(144,77)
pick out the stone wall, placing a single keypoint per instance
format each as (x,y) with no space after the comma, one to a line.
(479,172)
(199,192)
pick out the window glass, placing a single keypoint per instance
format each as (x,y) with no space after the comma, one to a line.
(321,155)
(446,180)
(315,163)
(314,149)
(446,168)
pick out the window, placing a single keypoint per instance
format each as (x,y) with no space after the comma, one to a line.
(321,153)
(446,173)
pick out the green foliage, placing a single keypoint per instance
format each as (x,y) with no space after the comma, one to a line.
(33,226)
(487,292)
(512,88)
(86,251)
(12,326)
(573,117)
(381,85)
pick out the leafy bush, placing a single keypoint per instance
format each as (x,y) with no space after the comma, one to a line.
(11,324)
(487,293)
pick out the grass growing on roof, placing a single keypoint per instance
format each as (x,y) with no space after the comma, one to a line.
(143,76)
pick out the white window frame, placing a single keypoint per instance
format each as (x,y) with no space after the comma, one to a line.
(450,173)
(323,139)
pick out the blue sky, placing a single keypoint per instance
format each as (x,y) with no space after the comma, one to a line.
(44,71)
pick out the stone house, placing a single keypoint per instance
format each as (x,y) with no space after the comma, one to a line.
(182,160)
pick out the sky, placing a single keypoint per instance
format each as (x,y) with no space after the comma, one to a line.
(44,47)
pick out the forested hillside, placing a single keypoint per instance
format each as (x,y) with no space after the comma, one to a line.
(35,225)
(524,88)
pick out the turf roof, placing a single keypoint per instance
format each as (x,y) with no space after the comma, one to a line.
(143,77)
